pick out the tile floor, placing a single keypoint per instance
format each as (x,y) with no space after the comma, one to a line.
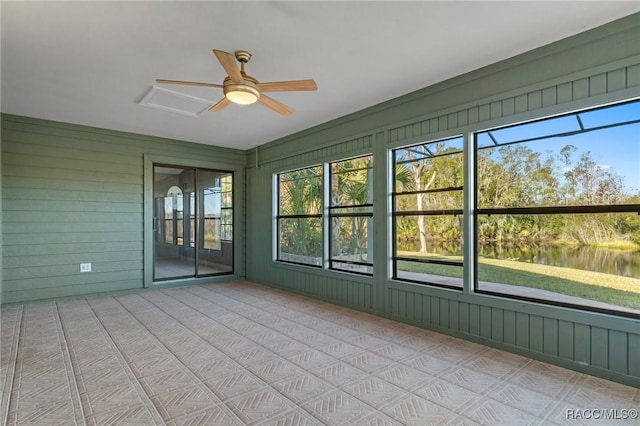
(242,353)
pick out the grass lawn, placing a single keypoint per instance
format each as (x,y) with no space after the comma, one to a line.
(605,288)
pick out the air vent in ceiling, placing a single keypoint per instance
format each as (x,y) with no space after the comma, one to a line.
(168,100)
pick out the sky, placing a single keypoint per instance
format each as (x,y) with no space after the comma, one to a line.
(615,149)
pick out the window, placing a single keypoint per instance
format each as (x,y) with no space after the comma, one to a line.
(210,220)
(351,215)
(558,204)
(226,208)
(218,211)
(427,213)
(299,217)
(172,208)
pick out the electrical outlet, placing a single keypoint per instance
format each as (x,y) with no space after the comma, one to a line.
(85,267)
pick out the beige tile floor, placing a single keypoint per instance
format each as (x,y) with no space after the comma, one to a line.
(241,353)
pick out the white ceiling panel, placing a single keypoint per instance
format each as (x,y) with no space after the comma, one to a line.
(91,63)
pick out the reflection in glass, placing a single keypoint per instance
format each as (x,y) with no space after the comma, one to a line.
(188,215)
(215,254)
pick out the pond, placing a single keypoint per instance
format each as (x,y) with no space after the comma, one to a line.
(615,262)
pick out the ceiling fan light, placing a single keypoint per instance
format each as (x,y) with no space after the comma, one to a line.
(241,94)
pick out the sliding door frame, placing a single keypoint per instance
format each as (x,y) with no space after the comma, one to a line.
(238,222)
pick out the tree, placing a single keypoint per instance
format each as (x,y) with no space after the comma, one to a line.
(587,182)
(350,182)
(301,194)
(418,162)
(422,168)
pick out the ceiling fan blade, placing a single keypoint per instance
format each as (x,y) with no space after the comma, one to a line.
(228,62)
(187,83)
(223,103)
(287,86)
(278,107)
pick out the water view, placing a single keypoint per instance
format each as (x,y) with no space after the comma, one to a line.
(615,262)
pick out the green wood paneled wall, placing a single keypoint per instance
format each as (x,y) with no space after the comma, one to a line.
(599,66)
(74,194)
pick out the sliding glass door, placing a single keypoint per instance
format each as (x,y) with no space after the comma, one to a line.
(193,222)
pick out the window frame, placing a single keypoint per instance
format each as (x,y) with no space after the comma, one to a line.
(395,214)
(334,212)
(544,210)
(226,207)
(279,216)
(195,200)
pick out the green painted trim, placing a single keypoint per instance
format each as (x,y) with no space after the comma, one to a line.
(468,203)
(382,183)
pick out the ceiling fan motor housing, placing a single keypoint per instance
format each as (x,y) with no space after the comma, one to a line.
(243,94)
(243,56)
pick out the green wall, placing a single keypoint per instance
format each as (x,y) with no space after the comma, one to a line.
(599,66)
(74,194)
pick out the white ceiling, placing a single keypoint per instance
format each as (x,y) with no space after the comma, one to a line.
(91,63)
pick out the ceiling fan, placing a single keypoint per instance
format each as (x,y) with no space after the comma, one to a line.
(243,89)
